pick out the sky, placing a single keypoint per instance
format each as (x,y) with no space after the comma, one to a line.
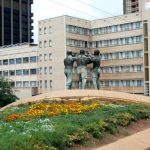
(44,9)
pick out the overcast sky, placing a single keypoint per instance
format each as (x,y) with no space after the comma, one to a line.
(44,9)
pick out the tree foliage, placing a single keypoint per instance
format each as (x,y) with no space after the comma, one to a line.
(6,92)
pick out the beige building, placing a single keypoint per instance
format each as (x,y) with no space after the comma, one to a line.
(122,40)
(18,63)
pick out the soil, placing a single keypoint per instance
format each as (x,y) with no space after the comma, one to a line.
(93,143)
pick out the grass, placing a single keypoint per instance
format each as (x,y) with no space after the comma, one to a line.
(66,130)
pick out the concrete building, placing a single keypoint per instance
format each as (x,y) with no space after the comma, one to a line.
(123,42)
(15,22)
(18,63)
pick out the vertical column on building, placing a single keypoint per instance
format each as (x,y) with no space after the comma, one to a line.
(2,2)
(29,9)
(146,59)
(20,21)
(12,23)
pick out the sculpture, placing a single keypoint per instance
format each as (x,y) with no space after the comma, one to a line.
(96,69)
(82,61)
(68,62)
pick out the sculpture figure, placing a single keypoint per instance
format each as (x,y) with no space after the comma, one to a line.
(82,61)
(68,62)
(96,69)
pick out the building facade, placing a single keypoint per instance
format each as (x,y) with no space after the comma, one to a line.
(15,22)
(123,42)
(18,63)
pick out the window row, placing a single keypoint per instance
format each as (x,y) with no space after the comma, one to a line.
(45,30)
(118,28)
(78,30)
(45,70)
(119,83)
(24,60)
(45,44)
(112,83)
(121,69)
(19,72)
(26,84)
(45,84)
(123,55)
(118,42)
(104,30)
(105,43)
(45,57)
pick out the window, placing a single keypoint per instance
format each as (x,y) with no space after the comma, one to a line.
(139,83)
(40,70)
(26,60)
(0,62)
(25,83)
(116,69)
(127,69)
(40,83)
(40,57)
(50,70)
(33,84)
(18,84)
(45,57)
(18,72)
(139,68)
(117,83)
(12,72)
(18,60)
(33,71)
(137,25)
(138,39)
(128,83)
(50,56)
(45,30)
(0,73)
(25,71)
(40,44)
(50,43)
(40,31)
(5,73)
(50,83)
(139,53)
(45,83)
(45,70)
(106,56)
(45,44)
(11,61)
(33,59)
(5,62)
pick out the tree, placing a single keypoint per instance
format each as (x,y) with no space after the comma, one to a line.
(6,92)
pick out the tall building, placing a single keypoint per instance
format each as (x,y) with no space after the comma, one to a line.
(123,41)
(15,22)
(131,6)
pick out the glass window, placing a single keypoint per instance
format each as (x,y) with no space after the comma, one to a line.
(5,73)
(45,30)
(45,70)
(18,72)
(12,72)
(40,31)
(11,61)
(139,68)
(25,71)
(33,59)
(5,62)
(25,83)
(50,56)
(18,84)
(138,39)
(116,82)
(33,84)
(128,83)
(50,43)
(50,29)
(50,83)
(26,60)
(45,57)
(50,70)
(45,83)
(0,62)
(0,73)
(18,60)
(33,71)
(140,82)
(40,44)
(45,44)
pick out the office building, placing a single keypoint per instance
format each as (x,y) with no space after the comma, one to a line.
(123,42)
(15,22)
(18,63)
